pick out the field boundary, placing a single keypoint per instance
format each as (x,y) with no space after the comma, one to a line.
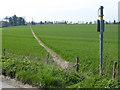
(61,62)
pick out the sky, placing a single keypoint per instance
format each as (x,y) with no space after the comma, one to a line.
(58,10)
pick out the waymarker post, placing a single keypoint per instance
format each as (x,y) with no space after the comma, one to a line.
(100,28)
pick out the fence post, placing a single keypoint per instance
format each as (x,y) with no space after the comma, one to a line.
(77,64)
(4,52)
(114,69)
(47,58)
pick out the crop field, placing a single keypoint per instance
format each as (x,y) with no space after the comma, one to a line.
(70,41)
(25,58)
(19,42)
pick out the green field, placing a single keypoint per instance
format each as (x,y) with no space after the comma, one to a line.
(25,58)
(70,41)
(19,42)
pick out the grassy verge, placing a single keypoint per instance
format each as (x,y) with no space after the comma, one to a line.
(39,75)
(48,76)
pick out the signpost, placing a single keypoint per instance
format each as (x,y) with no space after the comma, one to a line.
(100,28)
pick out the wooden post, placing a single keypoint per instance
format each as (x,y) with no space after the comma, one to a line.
(4,52)
(77,64)
(47,58)
(114,69)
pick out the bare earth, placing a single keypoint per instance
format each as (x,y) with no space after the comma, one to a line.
(7,82)
(62,63)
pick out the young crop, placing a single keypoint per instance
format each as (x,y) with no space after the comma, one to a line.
(18,42)
(71,41)
(25,59)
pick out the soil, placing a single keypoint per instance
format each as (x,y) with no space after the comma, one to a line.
(7,82)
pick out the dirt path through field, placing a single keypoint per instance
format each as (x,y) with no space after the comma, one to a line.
(62,63)
(7,82)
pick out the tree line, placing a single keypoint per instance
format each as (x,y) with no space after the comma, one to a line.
(13,21)
(66,22)
(47,22)
(16,21)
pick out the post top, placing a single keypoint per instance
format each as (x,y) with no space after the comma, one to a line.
(101,7)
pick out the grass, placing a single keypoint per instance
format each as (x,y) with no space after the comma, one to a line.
(0,40)
(70,41)
(39,75)
(0,47)
(47,76)
(20,42)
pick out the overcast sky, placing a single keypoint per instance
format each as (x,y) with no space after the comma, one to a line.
(52,10)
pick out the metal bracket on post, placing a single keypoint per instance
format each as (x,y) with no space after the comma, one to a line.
(100,28)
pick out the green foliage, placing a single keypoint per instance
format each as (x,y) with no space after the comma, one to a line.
(13,21)
(47,76)
(97,82)
(39,75)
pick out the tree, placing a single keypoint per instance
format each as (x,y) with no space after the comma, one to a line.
(19,21)
(41,22)
(107,22)
(15,20)
(4,23)
(66,22)
(86,22)
(90,22)
(11,21)
(6,18)
(114,22)
(33,23)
